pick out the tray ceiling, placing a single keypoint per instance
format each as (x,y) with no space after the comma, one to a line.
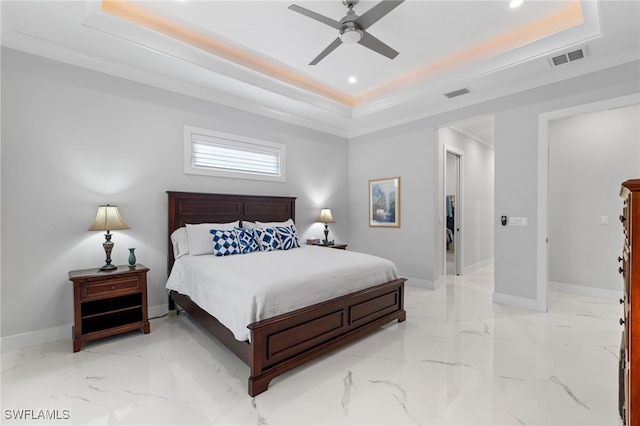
(254,55)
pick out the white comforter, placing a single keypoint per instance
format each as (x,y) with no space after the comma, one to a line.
(241,289)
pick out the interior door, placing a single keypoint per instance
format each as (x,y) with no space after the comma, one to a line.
(453,208)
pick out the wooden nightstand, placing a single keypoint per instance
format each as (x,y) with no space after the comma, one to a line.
(108,302)
(335,246)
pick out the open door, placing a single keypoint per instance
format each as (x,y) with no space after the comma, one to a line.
(452,213)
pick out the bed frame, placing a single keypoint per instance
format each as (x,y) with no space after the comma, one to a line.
(284,342)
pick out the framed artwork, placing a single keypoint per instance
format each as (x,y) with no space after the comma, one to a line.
(384,202)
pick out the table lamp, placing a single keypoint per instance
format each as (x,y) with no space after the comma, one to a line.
(108,218)
(326,217)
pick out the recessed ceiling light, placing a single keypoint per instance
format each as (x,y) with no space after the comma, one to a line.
(515,3)
(353,80)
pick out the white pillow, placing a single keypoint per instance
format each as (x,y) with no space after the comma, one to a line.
(200,238)
(180,242)
(274,224)
(248,225)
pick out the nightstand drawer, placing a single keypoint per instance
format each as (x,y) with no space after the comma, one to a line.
(111,287)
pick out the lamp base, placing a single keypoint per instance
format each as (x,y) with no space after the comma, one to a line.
(108,267)
(108,246)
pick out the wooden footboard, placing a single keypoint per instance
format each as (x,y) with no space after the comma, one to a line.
(282,343)
(287,341)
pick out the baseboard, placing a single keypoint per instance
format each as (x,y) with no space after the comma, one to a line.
(519,302)
(442,280)
(429,285)
(47,335)
(477,265)
(38,337)
(600,293)
(158,311)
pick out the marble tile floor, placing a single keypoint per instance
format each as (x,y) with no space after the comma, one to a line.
(459,359)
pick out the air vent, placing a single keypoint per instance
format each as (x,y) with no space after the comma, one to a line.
(565,58)
(459,92)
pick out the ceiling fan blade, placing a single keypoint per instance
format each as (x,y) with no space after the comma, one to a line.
(378,11)
(376,45)
(334,44)
(313,15)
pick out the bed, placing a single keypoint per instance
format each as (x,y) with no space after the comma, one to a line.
(283,342)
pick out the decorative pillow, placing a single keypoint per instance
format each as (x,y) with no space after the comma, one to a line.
(200,238)
(180,242)
(225,242)
(247,240)
(267,239)
(288,237)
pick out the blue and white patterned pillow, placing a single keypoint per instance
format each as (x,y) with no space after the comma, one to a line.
(247,240)
(225,242)
(267,239)
(288,237)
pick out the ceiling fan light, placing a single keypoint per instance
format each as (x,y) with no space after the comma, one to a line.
(350,35)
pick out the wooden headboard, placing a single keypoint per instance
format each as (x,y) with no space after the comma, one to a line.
(195,207)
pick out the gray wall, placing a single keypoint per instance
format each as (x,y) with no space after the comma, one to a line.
(517,125)
(412,156)
(606,144)
(73,139)
(411,151)
(477,208)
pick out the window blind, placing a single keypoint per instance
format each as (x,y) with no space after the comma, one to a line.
(215,153)
(241,157)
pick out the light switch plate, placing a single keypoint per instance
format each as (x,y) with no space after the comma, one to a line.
(518,221)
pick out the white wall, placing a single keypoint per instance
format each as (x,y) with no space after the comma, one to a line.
(519,250)
(606,144)
(73,139)
(452,175)
(411,246)
(411,151)
(477,204)
(415,154)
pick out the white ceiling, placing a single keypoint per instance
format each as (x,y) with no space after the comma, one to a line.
(254,55)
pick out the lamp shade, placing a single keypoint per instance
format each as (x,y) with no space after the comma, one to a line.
(326,216)
(108,219)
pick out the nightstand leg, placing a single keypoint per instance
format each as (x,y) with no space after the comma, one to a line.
(77,342)
(146,327)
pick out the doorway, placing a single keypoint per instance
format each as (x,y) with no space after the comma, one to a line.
(542,243)
(453,211)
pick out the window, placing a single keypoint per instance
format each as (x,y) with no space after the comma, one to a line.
(211,153)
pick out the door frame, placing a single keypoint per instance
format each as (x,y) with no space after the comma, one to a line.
(542,237)
(458,239)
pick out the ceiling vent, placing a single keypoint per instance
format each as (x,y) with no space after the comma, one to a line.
(565,58)
(458,92)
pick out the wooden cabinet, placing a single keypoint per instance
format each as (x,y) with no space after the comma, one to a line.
(108,302)
(629,268)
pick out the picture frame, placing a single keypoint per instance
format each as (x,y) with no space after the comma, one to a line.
(384,202)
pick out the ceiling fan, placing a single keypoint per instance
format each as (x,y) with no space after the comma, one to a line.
(353,27)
